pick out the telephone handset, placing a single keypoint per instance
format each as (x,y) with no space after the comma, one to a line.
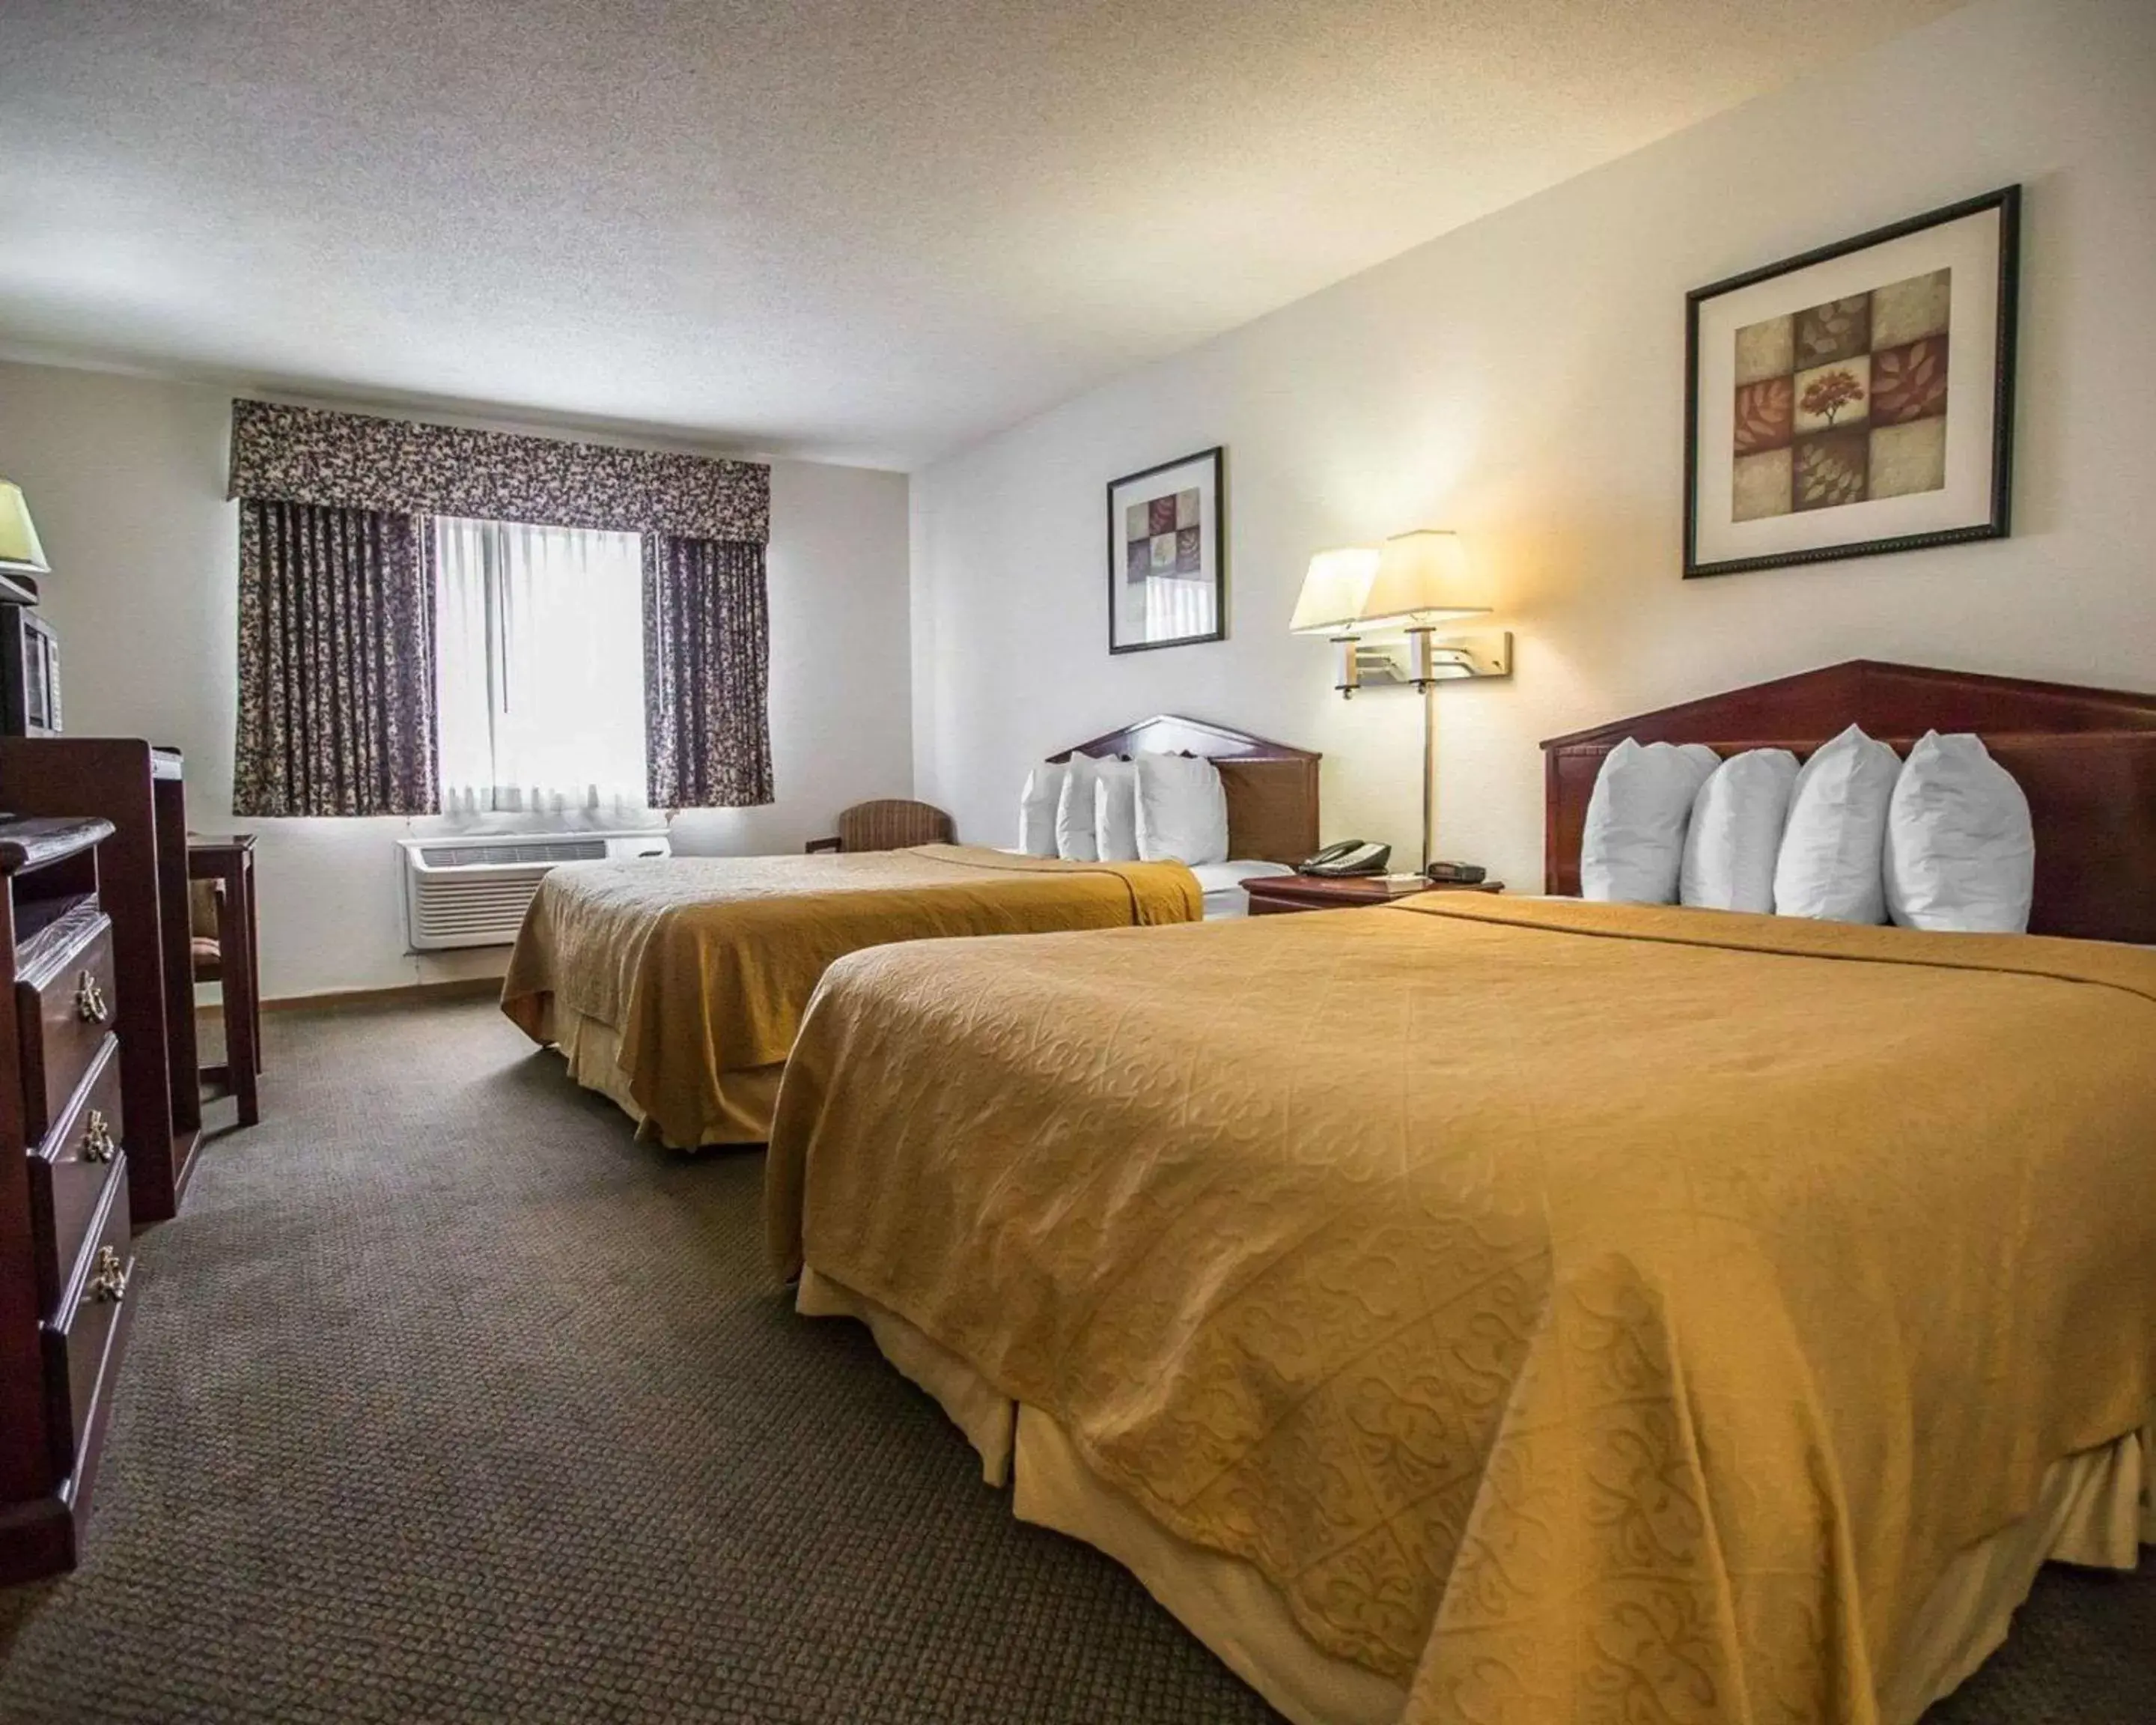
(1349,857)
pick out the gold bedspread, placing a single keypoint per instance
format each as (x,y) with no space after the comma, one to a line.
(1579,1311)
(703,965)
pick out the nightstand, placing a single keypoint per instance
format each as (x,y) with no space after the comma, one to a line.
(1274,895)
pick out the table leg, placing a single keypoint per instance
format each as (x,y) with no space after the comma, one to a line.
(237,978)
(254,962)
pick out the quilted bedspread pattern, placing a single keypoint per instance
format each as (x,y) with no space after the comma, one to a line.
(1578,1312)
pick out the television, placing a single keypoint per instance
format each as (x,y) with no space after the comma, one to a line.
(30,673)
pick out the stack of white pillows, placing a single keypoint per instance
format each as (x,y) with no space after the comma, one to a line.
(1114,809)
(1942,840)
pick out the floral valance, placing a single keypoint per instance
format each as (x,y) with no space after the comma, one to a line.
(361,461)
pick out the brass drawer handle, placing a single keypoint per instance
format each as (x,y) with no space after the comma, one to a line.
(97,1140)
(108,1286)
(90,1001)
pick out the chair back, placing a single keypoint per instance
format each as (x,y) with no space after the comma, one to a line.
(205,957)
(893,824)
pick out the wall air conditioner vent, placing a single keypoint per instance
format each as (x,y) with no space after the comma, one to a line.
(538,850)
(473,892)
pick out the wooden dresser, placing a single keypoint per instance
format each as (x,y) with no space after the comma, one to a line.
(65,1260)
(141,790)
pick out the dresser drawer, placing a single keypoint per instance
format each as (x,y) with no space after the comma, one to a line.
(68,1172)
(82,1340)
(64,1007)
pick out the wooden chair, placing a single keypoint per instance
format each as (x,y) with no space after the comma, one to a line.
(223,950)
(888,823)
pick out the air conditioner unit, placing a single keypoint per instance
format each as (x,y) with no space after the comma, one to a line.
(473,892)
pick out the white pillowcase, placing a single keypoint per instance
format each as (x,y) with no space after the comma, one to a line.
(1961,850)
(1115,809)
(1036,810)
(1633,849)
(1181,810)
(1735,833)
(1832,861)
(1074,811)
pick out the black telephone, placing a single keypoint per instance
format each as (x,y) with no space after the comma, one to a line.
(1350,856)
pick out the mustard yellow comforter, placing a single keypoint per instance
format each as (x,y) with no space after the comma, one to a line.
(703,965)
(1579,1311)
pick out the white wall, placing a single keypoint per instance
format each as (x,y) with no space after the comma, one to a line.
(1522,380)
(125,478)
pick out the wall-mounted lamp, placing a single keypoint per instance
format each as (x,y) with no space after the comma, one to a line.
(1414,581)
(1333,589)
(1423,578)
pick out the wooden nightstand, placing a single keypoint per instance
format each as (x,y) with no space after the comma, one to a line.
(1274,895)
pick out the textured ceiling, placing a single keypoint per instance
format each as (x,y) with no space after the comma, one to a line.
(866,232)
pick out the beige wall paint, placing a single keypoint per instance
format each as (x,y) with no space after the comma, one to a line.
(1521,380)
(125,478)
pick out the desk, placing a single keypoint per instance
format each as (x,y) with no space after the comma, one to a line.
(229,861)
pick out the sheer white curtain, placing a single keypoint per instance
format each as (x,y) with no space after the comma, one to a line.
(540,667)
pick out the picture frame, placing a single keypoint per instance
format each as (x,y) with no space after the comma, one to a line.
(1168,554)
(1857,399)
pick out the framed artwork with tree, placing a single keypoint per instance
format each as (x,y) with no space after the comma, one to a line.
(1857,399)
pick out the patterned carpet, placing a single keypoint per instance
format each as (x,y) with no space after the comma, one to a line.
(448,1402)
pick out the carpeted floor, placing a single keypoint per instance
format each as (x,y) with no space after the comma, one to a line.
(448,1402)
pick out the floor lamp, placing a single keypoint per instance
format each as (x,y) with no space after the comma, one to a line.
(1422,579)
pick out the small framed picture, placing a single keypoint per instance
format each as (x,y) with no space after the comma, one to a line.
(1166,561)
(1855,400)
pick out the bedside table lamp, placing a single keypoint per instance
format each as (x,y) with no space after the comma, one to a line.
(1333,589)
(20,553)
(1423,578)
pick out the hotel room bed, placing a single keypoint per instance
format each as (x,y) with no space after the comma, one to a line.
(1530,1310)
(674,986)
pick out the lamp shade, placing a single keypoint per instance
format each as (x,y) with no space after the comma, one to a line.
(20,553)
(1426,576)
(1334,590)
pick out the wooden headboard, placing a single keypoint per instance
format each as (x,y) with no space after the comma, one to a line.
(2085,758)
(1272,788)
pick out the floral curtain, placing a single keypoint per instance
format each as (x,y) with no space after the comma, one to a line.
(337,708)
(363,461)
(336,663)
(706,662)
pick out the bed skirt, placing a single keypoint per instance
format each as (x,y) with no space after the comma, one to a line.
(2095,1509)
(744,1099)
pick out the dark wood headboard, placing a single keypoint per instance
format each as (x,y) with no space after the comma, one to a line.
(2085,758)
(1272,788)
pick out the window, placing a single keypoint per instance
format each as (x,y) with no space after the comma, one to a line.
(539,667)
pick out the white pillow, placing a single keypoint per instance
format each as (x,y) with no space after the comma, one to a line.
(1115,809)
(1633,849)
(1036,810)
(1181,810)
(1735,832)
(1074,811)
(1833,849)
(1961,850)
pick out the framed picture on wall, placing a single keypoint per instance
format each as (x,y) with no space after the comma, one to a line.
(1857,399)
(1167,561)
